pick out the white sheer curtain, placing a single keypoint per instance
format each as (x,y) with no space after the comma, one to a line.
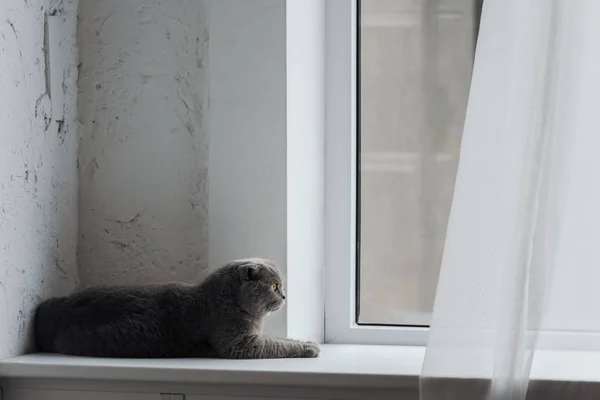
(522,239)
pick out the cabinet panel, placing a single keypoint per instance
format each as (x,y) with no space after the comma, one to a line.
(41,394)
(216,397)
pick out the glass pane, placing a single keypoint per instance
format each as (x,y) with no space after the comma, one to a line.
(415,64)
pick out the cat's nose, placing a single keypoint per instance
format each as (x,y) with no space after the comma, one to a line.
(283,296)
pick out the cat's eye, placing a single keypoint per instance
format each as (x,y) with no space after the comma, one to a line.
(273,286)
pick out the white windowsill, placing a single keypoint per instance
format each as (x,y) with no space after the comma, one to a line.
(338,366)
(348,366)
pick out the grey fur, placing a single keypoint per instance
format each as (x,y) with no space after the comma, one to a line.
(221,317)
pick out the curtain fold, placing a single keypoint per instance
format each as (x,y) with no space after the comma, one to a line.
(508,211)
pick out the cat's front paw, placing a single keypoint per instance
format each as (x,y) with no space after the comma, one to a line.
(310,349)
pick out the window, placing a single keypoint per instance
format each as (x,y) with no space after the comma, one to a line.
(398,81)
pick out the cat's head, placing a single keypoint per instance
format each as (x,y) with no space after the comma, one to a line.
(261,289)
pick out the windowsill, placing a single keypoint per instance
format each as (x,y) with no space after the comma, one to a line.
(349,366)
(338,366)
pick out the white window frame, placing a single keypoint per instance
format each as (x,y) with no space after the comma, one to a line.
(340,202)
(340,189)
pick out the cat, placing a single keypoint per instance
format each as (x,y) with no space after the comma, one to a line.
(221,317)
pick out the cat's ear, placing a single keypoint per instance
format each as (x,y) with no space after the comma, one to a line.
(250,272)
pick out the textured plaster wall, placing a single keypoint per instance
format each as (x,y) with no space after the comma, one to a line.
(143,155)
(38,191)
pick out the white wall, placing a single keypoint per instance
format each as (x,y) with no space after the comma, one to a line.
(305,156)
(38,191)
(143,151)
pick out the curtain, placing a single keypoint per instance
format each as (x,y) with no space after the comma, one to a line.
(522,237)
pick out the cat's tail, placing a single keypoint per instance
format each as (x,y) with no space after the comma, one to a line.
(45,325)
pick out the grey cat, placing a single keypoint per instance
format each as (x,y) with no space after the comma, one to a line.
(219,318)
